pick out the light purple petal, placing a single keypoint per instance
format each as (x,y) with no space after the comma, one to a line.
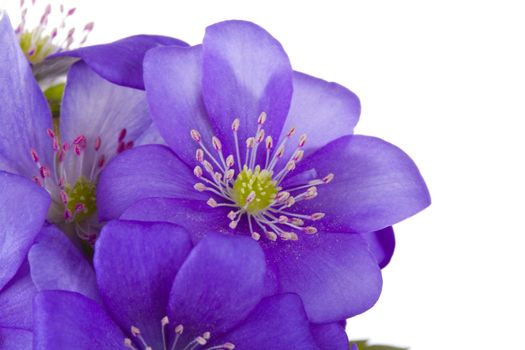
(136,263)
(197,217)
(277,323)
(56,264)
(68,320)
(334,274)
(245,72)
(96,108)
(143,172)
(375,186)
(382,244)
(24,113)
(15,300)
(14,338)
(322,110)
(172,76)
(121,61)
(330,336)
(219,284)
(23,209)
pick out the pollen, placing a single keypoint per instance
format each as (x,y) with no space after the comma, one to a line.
(254,189)
(81,199)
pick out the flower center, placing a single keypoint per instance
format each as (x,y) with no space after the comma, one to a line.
(257,193)
(81,199)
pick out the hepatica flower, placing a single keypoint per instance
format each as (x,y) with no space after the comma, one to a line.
(158,292)
(260,150)
(99,119)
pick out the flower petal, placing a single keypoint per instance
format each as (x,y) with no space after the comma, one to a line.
(14,338)
(143,172)
(68,320)
(245,72)
(23,209)
(173,76)
(277,323)
(15,300)
(24,113)
(121,61)
(330,336)
(135,272)
(334,274)
(56,264)
(382,244)
(375,186)
(323,111)
(225,275)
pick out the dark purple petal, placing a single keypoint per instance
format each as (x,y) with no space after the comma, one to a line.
(277,323)
(68,320)
(197,217)
(143,172)
(219,284)
(375,186)
(15,339)
(23,209)
(96,108)
(323,111)
(56,264)
(121,61)
(245,72)
(172,76)
(334,274)
(330,336)
(136,263)
(24,113)
(15,300)
(382,244)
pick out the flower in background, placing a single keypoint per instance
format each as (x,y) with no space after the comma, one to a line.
(98,120)
(258,149)
(211,296)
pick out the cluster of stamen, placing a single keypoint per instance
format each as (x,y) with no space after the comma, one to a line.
(256,192)
(72,179)
(176,344)
(39,42)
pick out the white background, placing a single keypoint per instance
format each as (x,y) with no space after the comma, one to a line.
(444,80)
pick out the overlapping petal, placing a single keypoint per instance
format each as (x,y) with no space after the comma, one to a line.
(382,244)
(15,300)
(330,336)
(15,338)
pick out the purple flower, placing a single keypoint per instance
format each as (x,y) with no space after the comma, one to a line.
(159,292)
(229,110)
(98,120)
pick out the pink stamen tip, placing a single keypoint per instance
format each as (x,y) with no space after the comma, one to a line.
(61,8)
(70,33)
(302,140)
(34,155)
(122,135)
(260,136)
(280,152)
(232,215)
(310,230)
(291,132)
(55,146)
(317,216)
(67,214)
(282,196)
(98,143)
(121,147)
(233,224)
(197,171)
(328,178)
(130,145)
(250,197)
(101,161)
(77,150)
(282,219)
(250,142)
(235,125)
(61,182)
(54,33)
(61,155)
(80,207)
(37,180)
(230,174)
(195,135)
(297,222)
(44,172)
(216,143)
(71,12)
(50,133)
(65,146)
(89,27)
(63,197)
(256,236)
(207,165)
(80,140)
(290,165)
(269,142)
(199,155)
(229,161)
(261,119)
(298,155)
(271,235)
(211,202)
(217,176)
(200,187)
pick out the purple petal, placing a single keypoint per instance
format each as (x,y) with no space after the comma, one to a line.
(172,76)
(24,113)
(136,263)
(277,323)
(245,72)
(323,111)
(96,108)
(143,172)
(382,244)
(121,61)
(195,216)
(67,320)
(375,186)
(15,300)
(334,274)
(56,264)
(225,275)
(330,336)
(15,339)
(23,209)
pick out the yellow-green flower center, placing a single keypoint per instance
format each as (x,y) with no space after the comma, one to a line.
(81,199)
(36,47)
(254,189)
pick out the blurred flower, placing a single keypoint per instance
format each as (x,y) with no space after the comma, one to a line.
(211,296)
(229,110)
